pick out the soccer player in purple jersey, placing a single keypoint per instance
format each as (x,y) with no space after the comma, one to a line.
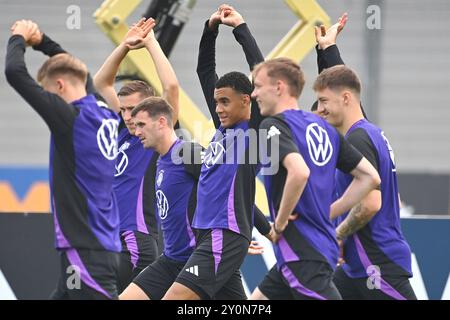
(136,166)
(308,151)
(377,258)
(177,173)
(225,212)
(83,150)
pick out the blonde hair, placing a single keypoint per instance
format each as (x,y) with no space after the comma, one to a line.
(63,64)
(284,69)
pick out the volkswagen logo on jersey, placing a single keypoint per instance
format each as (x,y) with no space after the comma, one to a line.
(122,159)
(107,138)
(213,154)
(319,144)
(162,203)
(160,178)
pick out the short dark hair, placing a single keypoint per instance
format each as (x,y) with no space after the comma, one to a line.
(236,81)
(63,63)
(337,78)
(285,69)
(137,86)
(155,107)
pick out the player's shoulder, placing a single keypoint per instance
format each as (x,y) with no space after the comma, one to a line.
(192,146)
(303,117)
(188,152)
(91,107)
(363,131)
(104,109)
(278,119)
(358,134)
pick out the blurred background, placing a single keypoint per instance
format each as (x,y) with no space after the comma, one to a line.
(402,59)
(404,68)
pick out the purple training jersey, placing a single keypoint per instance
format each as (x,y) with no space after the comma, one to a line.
(380,243)
(81,179)
(312,235)
(226,189)
(134,185)
(176,192)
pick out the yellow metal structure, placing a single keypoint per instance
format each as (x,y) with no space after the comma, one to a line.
(111,18)
(297,43)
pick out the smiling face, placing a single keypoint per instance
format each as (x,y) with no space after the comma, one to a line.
(231,106)
(331,106)
(265,92)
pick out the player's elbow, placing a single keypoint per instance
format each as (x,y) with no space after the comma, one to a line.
(369,175)
(11,73)
(99,83)
(199,70)
(172,89)
(297,170)
(301,175)
(374,178)
(371,204)
(203,71)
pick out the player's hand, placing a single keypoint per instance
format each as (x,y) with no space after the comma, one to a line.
(138,34)
(278,230)
(326,38)
(254,248)
(341,260)
(274,235)
(229,16)
(214,20)
(36,38)
(25,28)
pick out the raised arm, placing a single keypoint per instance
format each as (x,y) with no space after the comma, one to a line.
(327,52)
(206,63)
(105,77)
(43,43)
(242,34)
(166,74)
(54,110)
(232,18)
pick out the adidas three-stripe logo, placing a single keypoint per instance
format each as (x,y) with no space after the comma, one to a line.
(273,131)
(193,270)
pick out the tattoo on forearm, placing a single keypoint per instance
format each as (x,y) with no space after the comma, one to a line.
(355,220)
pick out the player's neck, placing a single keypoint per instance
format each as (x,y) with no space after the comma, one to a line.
(74,94)
(354,115)
(288,103)
(167,142)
